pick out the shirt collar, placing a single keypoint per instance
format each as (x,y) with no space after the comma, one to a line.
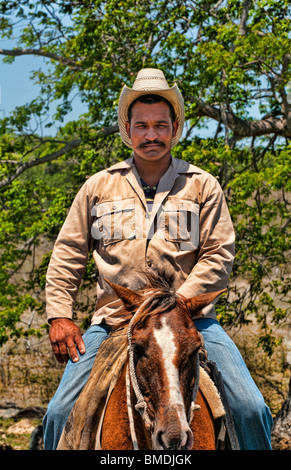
(179,166)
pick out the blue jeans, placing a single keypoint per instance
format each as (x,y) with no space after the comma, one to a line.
(252,418)
(74,378)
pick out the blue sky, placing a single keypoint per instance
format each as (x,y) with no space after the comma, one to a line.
(17,88)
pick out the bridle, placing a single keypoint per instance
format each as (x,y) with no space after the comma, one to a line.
(131,379)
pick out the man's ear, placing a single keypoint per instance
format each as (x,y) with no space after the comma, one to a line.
(175,128)
(127,128)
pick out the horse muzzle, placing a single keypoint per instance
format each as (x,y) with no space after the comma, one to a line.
(172,437)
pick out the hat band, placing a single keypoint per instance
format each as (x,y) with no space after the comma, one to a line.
(150,78)
(150,83)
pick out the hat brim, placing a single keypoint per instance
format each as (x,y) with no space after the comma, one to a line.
(128,95)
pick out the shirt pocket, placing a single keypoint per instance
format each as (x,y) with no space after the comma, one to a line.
(115,221)
(181,223)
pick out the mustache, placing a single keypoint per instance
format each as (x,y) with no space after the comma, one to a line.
(151,142)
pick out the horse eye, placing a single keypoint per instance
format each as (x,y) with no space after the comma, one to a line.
(138,350)
(189,357)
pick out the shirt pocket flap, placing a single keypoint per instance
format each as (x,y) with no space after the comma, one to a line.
(181,223)
(109,207)
(181,206)
(114,220)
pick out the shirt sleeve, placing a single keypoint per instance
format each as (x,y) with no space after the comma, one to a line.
(216,247)
(69,258)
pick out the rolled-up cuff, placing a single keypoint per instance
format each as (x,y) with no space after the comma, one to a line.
(65,312)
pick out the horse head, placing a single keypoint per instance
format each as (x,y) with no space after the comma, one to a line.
(164,345)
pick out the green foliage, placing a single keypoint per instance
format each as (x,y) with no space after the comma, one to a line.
(231,61)
(256,182)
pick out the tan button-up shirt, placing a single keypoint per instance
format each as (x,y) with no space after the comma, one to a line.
(188,234)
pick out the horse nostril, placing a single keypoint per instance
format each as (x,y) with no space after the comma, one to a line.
(167,442)
(171,441)
(160,440)
(187,442)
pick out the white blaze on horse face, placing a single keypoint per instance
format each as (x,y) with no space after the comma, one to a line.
(166,341)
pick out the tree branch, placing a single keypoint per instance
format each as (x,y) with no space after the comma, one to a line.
(243,18)
(242,128)
(38,161)
(53,156)
(286,108)
(43,53)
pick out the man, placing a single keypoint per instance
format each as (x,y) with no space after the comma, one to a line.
(147,212)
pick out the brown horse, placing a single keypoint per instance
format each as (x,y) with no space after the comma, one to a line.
(152,405)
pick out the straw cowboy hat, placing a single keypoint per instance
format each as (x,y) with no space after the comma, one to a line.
(150,82)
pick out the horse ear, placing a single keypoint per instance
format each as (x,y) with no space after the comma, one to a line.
(129,297)
(199,302)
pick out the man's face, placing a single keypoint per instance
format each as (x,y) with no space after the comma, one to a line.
(151,130)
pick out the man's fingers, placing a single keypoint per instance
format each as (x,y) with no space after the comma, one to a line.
(66,339)
(57,353)
(80,344)
(78,341)
(64,351)
(61,349)
(72,350)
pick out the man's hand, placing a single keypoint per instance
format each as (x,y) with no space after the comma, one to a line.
(66,338)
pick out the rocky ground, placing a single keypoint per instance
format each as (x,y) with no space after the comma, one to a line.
(21,428)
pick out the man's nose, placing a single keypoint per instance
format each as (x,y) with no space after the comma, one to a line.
(151,133)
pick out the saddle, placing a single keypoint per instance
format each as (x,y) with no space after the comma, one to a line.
(84,425)
(226,438)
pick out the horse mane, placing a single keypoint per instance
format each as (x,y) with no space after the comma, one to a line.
(159,279)
(159,296)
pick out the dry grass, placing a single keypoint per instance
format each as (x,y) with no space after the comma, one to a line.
(271,374)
